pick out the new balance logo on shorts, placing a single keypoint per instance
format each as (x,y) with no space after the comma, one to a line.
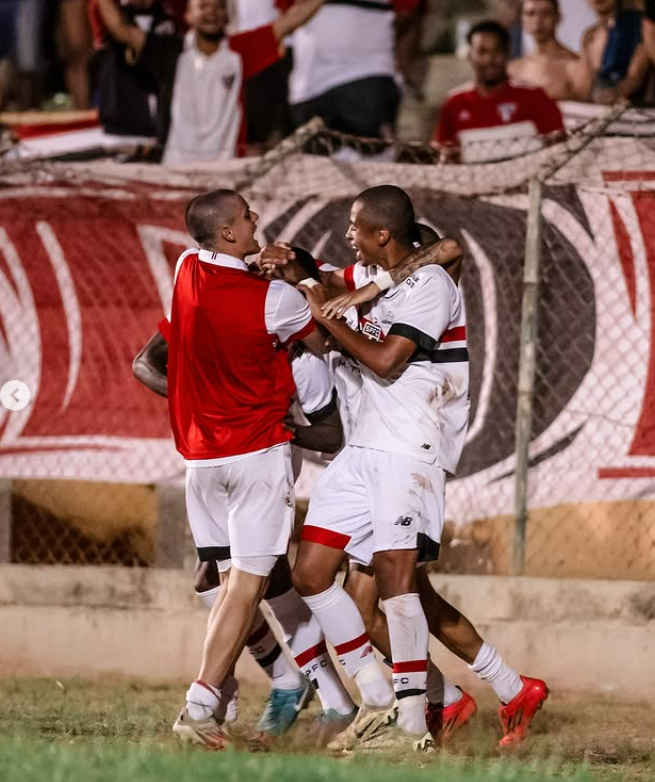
(403,521)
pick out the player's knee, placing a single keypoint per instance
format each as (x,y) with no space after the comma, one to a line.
(309,580)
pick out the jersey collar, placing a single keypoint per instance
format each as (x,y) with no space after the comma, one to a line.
(221,259)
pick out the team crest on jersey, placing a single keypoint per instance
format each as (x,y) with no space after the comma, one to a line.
(388,319)
(228,81)
(507,111)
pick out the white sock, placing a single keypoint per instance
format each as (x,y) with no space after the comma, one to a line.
(491,668)
(202,700)
(303,635)
(343,627)
(209,597)
(263,646)
(409,637)
(435,684)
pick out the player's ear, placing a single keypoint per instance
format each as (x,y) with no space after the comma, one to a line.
(383,237)
(228,234)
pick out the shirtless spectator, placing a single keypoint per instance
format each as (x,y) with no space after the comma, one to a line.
(614,59)
(553,66)
(493,118)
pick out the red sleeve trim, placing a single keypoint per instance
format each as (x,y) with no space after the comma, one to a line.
(304,332)
(164,327)
(349,277)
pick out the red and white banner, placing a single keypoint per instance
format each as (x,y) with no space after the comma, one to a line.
(86,273)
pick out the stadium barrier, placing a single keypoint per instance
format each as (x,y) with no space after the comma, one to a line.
(557,474)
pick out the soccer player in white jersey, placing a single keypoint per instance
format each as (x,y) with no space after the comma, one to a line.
(382,499)
(449,707)
(520,696)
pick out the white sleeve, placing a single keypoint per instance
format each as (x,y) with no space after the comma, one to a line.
(427,311)
(314,388)
(287,312)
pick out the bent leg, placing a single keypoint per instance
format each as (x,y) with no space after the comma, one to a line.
(446,623)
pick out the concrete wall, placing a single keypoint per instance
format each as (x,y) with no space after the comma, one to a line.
(593,636)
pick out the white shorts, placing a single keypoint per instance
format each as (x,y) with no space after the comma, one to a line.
(244,508)
(368,501)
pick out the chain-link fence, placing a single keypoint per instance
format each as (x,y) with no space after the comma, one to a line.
(563,488)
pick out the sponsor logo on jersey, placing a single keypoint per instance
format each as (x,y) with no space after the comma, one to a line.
(403,521)
(372,331)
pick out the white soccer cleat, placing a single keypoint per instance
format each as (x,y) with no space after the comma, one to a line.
(366,725)
(206,732)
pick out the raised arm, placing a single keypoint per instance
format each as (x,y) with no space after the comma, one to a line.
(446,253)
(151,364)
(299,13)
(120,28)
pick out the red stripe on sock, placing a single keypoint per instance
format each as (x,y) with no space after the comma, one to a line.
(350,646)
(325,537)
(206,686)
(259,634)
(307,656)
(411,666)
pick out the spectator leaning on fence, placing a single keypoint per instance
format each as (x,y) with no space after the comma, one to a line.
(614,58)
(345,65)
(492,111)
(553,66)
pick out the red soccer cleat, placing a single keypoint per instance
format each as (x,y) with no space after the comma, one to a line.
(457,715)
(516,716)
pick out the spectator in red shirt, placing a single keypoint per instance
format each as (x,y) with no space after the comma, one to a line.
(478,119)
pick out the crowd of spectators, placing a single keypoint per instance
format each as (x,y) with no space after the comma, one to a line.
(211,79)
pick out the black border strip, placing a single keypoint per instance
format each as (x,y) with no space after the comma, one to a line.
(207,553)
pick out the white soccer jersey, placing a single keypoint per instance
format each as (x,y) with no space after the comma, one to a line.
(346,376)
(423,411)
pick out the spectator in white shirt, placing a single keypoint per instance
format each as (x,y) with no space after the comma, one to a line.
(345,67)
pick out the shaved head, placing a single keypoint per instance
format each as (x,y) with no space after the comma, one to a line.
(206,214)
(387,207)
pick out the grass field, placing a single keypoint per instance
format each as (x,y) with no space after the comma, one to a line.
(78,731)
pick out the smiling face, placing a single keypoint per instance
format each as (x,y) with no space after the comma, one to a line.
(207,17)
(539,19)
(363,238)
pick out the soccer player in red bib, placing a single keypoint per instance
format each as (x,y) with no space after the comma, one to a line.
(229,389)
